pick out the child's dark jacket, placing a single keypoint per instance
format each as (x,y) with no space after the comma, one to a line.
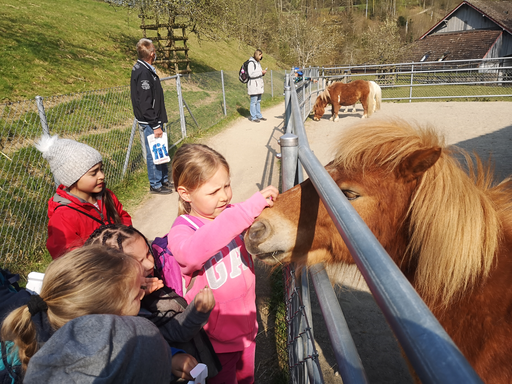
(181,325)
(68,228)
(10,366)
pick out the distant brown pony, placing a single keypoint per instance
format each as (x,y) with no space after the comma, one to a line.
(448,230)
(340,94)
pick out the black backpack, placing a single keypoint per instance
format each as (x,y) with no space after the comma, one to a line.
(243,75)
(10,364)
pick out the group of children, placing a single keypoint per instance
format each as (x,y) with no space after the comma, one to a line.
(104,266)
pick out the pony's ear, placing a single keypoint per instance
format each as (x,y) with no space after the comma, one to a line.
(418,162)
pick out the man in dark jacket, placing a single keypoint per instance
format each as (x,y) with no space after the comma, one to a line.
(149,110)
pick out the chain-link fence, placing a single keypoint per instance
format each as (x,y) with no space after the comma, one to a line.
(303,358)
(104,120)
(209,96)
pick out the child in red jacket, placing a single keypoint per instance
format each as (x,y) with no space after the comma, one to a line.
(81,203)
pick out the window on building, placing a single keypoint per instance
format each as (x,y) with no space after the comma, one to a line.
(443,56)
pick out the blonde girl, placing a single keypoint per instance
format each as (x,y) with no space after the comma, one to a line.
(89,280)
(207,242)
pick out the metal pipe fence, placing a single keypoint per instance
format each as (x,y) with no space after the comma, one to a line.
(480,79)
(304,365)
(431,352)
(104,120)
(456,80)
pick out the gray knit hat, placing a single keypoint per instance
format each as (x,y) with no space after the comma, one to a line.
(69,160)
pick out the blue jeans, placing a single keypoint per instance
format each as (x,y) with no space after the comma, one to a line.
(255,107)
(157,174)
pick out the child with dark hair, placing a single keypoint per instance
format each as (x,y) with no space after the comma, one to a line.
(82,202)
(180,323)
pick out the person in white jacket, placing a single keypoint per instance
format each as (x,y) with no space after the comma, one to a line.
(255,85)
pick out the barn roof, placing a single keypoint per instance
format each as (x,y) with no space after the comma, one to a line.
(499,11)
(459,45)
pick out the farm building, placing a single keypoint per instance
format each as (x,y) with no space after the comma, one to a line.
(475,29)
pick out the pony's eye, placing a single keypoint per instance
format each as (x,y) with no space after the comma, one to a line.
(351,195)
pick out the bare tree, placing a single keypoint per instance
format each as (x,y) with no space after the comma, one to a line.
(307,38)
(382,43)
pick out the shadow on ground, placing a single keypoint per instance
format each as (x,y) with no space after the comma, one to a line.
(495,145)
(374,340)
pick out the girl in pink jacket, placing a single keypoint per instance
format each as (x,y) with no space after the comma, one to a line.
(206,240)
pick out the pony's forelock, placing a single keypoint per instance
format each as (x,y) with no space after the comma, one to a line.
(454,226)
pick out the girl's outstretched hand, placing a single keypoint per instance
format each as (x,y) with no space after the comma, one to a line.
(270,193)
(151,284)
(204,300)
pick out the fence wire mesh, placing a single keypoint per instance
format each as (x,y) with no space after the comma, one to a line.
(24,182)
(204,98)
(303,362)
(104,120)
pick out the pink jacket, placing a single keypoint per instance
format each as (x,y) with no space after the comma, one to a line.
(214,253)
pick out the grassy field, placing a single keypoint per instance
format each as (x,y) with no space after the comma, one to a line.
(55,47)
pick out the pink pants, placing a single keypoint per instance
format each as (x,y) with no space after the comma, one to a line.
(237,367)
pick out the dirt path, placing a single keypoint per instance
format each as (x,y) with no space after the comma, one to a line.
(250,150)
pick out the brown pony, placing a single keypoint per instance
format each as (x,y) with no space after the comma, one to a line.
(340,94)
(448,230)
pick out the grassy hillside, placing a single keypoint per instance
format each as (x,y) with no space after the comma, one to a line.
(54,47)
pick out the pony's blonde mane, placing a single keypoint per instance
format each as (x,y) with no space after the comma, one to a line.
(325,96)
(454,224)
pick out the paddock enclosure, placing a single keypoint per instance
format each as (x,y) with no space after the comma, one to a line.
(475,126)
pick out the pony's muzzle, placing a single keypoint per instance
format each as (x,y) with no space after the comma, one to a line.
(256,235)
(258,232)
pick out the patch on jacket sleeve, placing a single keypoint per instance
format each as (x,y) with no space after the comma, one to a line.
(145,85)
(136,66)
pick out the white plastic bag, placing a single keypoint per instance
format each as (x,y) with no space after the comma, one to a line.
(158,148)
(199,373)
(35,282)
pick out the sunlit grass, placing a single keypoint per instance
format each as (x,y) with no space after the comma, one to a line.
(55,47)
